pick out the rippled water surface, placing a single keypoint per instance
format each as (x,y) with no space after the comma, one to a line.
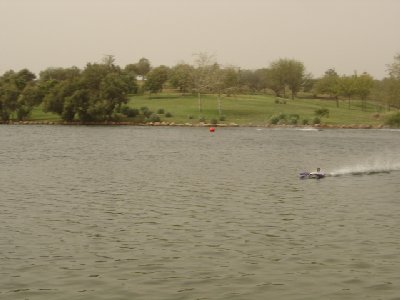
(180,213)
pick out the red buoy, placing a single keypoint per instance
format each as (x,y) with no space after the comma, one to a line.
(212,129)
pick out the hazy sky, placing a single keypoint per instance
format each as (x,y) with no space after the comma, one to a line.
(347,35)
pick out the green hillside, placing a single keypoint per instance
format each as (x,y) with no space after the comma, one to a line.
(246,110)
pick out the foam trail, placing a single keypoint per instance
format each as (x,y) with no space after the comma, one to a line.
(369,167)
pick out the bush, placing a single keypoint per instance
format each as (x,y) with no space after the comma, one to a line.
(305,122)
(393,120)
(214,121)
(282,116)
(222,118)
(282,122)
(154,118)
(279,119)
(129,112)
(168,115)
(23,112)
(280,101)
(202,119)
(146,111)
(160,111)
(316,120)
(294,119)
(274,120)
(139,119)
(322,112)
(190,117)
(144,108)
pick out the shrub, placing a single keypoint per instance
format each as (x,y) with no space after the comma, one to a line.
(282,116)
(160,111)
(129,112)
(117,117)
(305,122)
(279,119)
(154,118)
(222,118)
(213,121)
(274,120)
(139,119)
(282,122)
(322,112)
(279,101)
(294,119)
(23,112)
(316,120)
(190,117)
(168,115)
(144,108)
(202,119)
(146,111)
(393,120)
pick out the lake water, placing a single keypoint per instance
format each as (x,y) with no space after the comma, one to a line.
(182,213)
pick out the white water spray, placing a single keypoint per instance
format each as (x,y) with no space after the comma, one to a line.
(371,166)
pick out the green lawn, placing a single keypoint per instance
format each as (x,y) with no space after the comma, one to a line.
(256,109)
(39,115)
(245,109)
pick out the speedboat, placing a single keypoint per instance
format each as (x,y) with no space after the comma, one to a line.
(312,175)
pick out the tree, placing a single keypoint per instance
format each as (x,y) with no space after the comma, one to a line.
(363,87)
(142,67)
(113,92)
(30,97)
(8,100)
(286,72)
(59,74)
(255,81)
(129,74)
(248,81)
(55,99)
(156,79)
(390,86)
(16,94)
(218,84)
(23,78)
(394,68)
(91,95)
(295,76)
(108,60)
(329,85)
(347,86)
(203,75)
(182,77)
(276,78)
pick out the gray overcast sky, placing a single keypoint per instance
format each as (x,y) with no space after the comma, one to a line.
(347,35)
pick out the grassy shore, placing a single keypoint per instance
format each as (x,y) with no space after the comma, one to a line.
(246,110)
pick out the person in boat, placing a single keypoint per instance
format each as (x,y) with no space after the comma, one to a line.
(318,174)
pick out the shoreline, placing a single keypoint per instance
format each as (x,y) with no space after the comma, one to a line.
(173,124)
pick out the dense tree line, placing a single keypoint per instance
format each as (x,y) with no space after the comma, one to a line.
(98,91)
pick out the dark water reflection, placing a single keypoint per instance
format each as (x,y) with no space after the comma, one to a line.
(179,213)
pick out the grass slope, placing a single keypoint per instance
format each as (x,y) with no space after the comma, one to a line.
(256,109)
(245,109)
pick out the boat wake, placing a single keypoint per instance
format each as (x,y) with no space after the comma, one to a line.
(369,168)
